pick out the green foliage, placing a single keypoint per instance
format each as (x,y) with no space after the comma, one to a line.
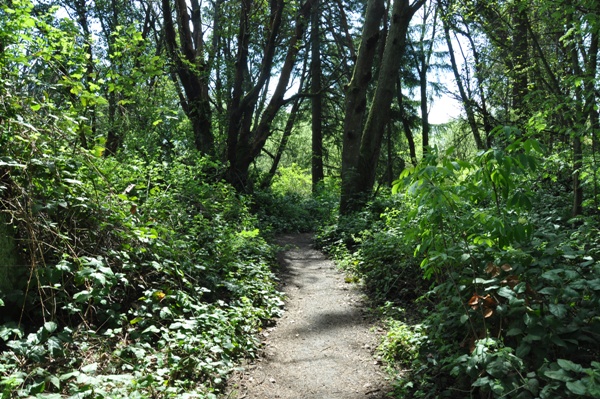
(290,205)
(178,282)
(134,277)
(513,306)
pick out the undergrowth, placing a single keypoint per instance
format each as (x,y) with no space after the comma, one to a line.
(291,206)
(134,280)
(507,290)
(131,275)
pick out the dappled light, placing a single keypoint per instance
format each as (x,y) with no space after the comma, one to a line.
(183,183)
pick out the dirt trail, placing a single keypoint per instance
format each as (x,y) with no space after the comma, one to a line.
(322,347)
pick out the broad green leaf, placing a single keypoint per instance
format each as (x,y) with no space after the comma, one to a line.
(577,387)
(570,366)
(90,368)
(558,310)
(37,388)
(559,375)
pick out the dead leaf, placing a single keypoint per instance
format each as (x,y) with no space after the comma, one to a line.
(492,270)
(506,267)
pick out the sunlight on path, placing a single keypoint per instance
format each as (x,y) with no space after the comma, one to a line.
(322,347)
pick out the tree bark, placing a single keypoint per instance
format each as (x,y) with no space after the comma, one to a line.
(519,59)
(466,100)
(356,101)
(357,186)
(191,70)
(406,125)
(316,99)
(592,71)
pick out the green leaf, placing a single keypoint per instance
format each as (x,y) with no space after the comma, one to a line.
(50,326)
(506,292)
(577,387)
(54,380)
(54,346)
(28,22)
(151,329)
(558,310)
(90,368)
(559,375)
(523,350)
(514,331)
(570,366)
(98,151)
(37,388)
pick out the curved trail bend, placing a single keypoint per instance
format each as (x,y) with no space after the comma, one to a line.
(322,347)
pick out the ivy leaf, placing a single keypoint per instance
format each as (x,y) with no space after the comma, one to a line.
(37,388)
(50,326)
(90,368)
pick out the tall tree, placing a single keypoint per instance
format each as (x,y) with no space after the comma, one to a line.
(244,140)
(359,165)
(422,52)
(467,100)
(316,99)
(188,56)
(356,102)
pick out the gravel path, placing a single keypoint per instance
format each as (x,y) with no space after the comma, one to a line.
(322,347)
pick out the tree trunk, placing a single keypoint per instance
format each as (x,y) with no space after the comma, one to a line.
(250,142)
(389,171)
(406,125)
(577,122)
(466,100)
(591,72)
(357,186)
(191,71)
(519,57)
(424,108)
(356,101)
(316,100)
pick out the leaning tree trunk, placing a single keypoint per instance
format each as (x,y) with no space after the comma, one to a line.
(357,186)
(466,100)
(356,101)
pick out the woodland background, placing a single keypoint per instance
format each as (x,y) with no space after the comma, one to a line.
(150,151)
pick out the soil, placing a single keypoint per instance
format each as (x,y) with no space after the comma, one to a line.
(323,346)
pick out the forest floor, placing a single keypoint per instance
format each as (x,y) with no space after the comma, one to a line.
(323,345)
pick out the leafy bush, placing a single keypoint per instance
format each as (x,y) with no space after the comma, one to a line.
(159,288)
(513,307)
(291,206)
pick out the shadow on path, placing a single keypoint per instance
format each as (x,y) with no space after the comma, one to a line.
(322,347)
